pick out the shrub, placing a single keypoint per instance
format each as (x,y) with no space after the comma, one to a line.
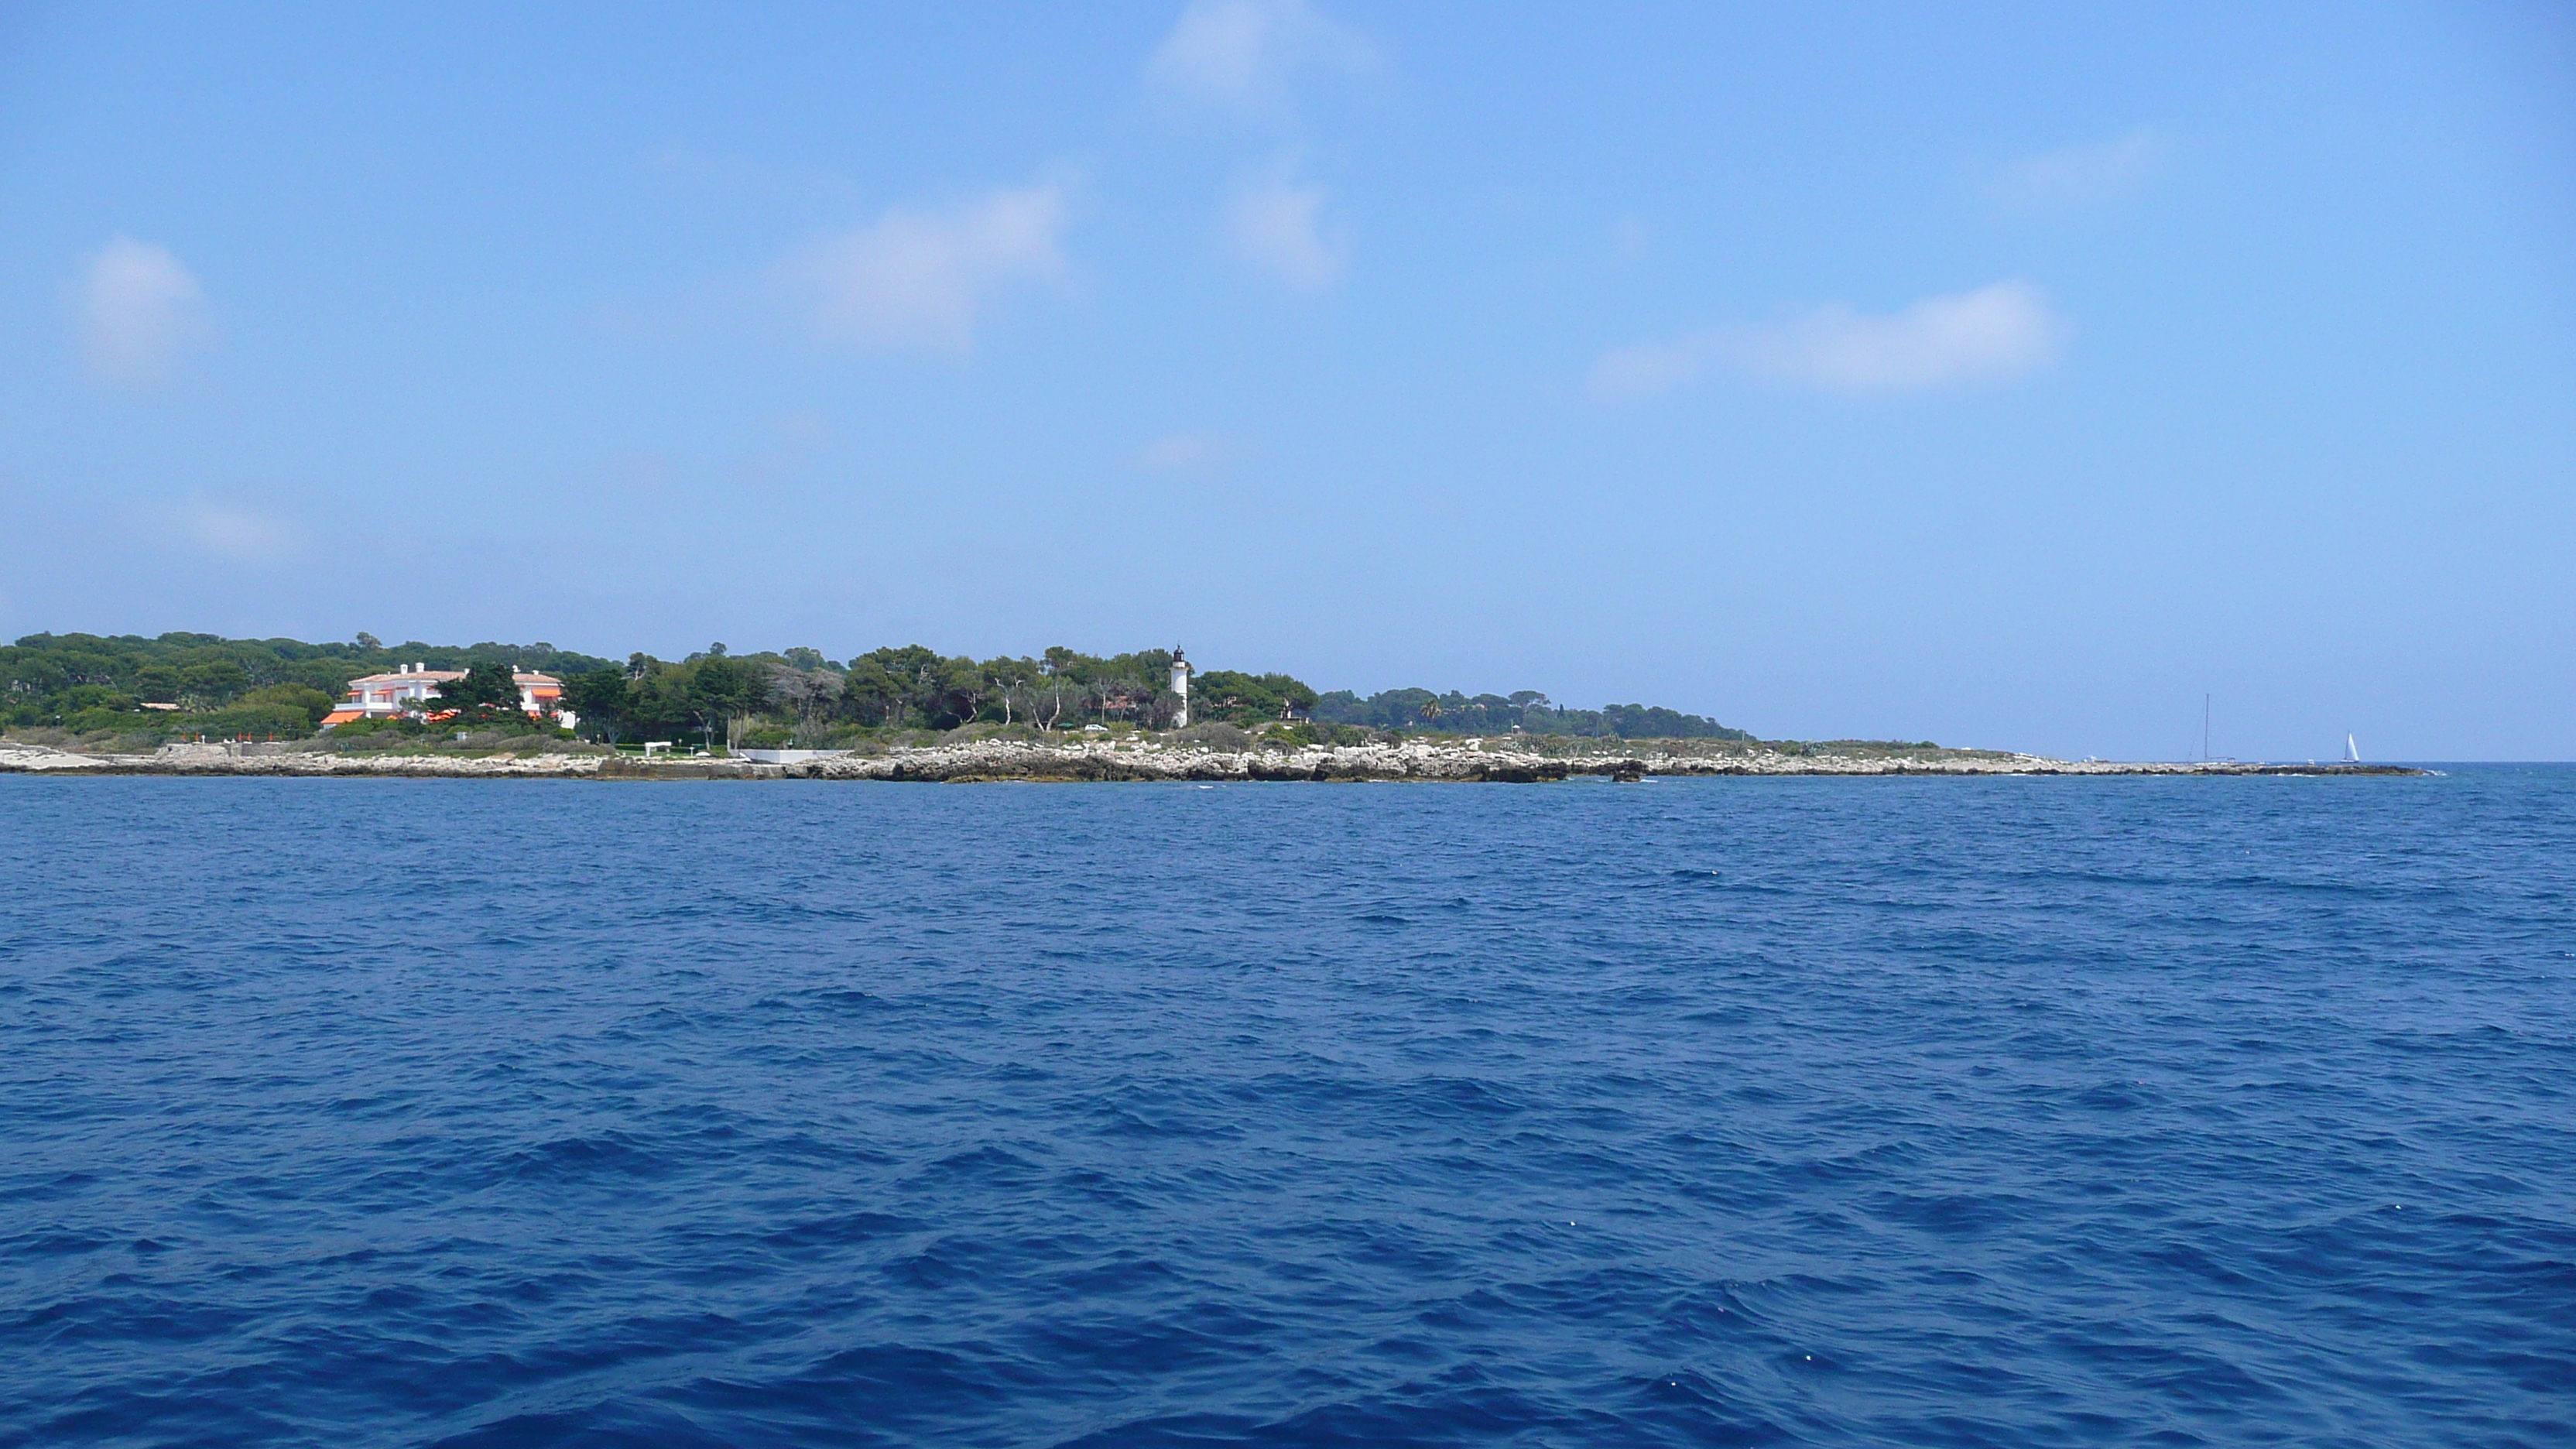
(313,702)
(1216,735)
(87,721)
(401,724)
(1320,732)
(258,721)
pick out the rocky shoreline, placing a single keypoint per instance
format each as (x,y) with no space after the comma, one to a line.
(996,760)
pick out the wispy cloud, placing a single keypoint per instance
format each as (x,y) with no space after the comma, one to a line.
(1989,335)
(926,278)
(2077,176)
(139,311)
(1276,223)
(1243,54)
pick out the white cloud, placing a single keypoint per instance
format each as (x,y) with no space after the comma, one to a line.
(139,311)
(233,532)
(2078,175)
(918,278)
(1182,453)
(1276,223)
(1989,335)
(1243,53)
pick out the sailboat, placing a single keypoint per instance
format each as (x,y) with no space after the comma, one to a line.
(2351,751)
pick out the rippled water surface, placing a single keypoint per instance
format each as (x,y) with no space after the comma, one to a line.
(1695,1112)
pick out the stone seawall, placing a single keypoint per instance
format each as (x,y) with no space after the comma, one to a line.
(268,759)
(1460,761)
(1498,762)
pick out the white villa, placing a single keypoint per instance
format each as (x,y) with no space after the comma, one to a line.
(412,689)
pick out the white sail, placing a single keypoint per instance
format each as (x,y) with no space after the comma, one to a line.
(2351,751)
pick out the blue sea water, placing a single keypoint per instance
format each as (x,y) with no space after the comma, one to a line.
(1919,1112)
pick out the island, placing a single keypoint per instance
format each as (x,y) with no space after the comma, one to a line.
(198,704)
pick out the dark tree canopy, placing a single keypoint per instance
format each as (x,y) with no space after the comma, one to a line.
(1525,711)
(597,697)
(486,686)
(802,695)
(221,687)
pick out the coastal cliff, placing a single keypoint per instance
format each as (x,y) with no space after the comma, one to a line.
(1138,757)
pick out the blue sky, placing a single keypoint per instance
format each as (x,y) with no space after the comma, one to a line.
(1999,375)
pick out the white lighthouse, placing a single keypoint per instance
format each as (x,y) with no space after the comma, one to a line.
(1181,687)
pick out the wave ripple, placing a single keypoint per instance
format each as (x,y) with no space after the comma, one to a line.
(1919,1112)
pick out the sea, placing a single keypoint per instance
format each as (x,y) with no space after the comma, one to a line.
(2011,1111)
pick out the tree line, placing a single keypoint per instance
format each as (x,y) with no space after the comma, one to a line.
(800,697)
(205,684)
(210,685)
(1523,711)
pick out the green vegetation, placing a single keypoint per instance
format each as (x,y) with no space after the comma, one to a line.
(98,687)
(1524,712)
(105,690)
(487,689)
(1248,699)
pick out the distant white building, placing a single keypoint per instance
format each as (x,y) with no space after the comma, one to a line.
(413,689)
(1181,687)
